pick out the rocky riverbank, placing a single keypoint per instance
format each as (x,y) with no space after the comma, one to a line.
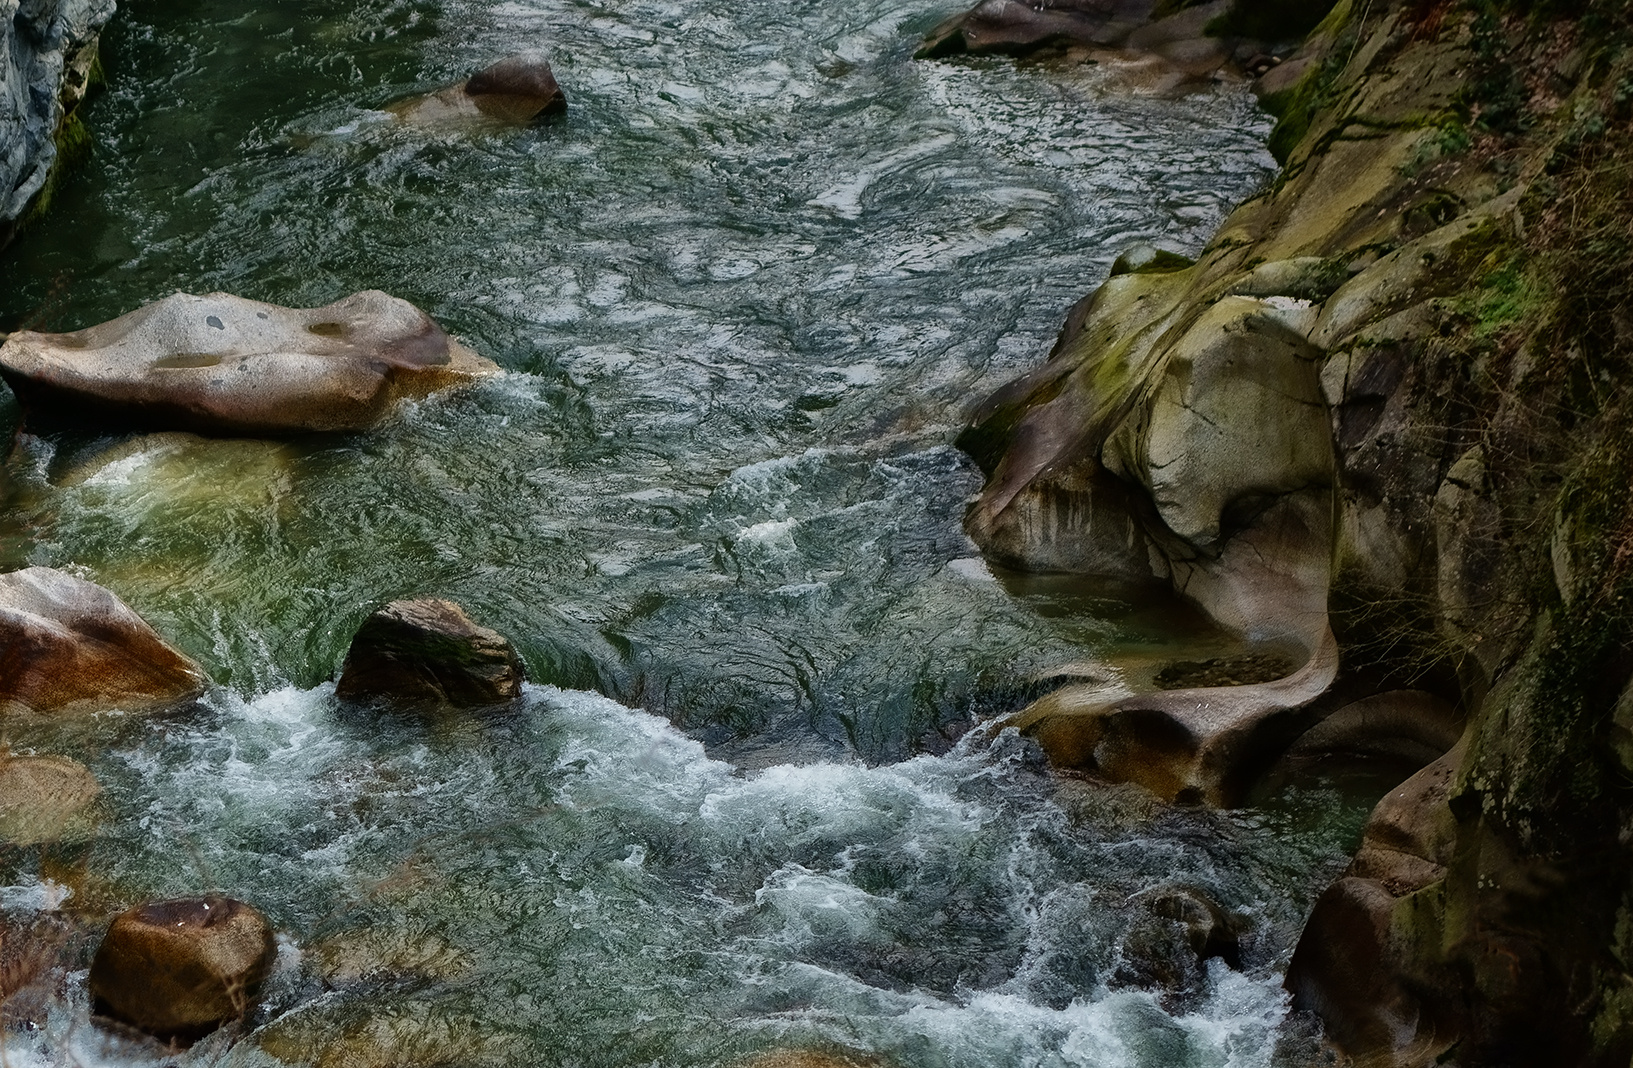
(1382,424)
(48,61)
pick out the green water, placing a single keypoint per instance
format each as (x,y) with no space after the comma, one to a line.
(743,296)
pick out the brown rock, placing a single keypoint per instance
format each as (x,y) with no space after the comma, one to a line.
(68,646)
(43,799)
(812,1058)
(221,364)
(180,969)
(1015,28)
(516,90)
(428,654)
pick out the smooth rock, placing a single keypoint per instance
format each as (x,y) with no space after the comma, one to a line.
(221,364)
(517,90)
(68,647)
(428,654)
(44,799)
(1408,727)
(1342,970)
(180,969)
(1013,27)
(1195,746)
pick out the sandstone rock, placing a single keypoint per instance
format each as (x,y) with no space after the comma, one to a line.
(428,654)
(1407,727)
(392,1035)
(1342,971)
(354,956)
(44,799)
(180,969)
(1411,834)
(516,90)
(68,646)
(1012,27)
(1237,416)
(225,365)
(1190,746)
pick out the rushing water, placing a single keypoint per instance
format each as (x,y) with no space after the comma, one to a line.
(743,295)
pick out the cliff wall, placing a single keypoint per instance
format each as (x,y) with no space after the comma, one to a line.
(1384,426)
(48,52)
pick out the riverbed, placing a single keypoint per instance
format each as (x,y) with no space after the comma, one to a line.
(744,295)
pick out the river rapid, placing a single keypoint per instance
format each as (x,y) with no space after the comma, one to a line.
(743,296)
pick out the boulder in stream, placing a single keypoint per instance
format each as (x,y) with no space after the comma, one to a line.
(180,969)
(517,90)
(220,364)
(428,655)
(68,646)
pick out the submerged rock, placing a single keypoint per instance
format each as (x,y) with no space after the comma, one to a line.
(180,969)
(68,646)
(517,90)
(428,654)
(44,799)
(221,364)
(1178,930)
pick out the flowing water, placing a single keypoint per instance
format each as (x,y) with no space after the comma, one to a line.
(743,296)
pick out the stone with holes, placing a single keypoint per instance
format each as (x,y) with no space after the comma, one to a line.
(220,364)
(180,969)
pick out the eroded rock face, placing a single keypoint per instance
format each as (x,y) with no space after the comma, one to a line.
(180,969)
(70,647)
(44,799)
(429,655)
(516,90)
(44,68)
(220,364)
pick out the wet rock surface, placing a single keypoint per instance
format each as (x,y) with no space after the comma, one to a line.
(44,69)
(220,364)
(44,799)
(70,647)
(517,90)
(1416,504)
(179,969)
(428,654)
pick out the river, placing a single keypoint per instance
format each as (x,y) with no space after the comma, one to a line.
(743,296)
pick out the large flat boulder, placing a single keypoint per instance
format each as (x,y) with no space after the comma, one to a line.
(68,647)
(220,364)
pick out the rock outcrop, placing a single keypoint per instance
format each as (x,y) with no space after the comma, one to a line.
(220,364)
(180,969)
(429,655)
(517,90)
(1187,42)
(70,647)
(48,52)
(1382,425)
